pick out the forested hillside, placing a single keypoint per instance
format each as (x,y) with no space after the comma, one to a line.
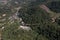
(30,20)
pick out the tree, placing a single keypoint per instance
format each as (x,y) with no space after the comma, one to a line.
(39,21)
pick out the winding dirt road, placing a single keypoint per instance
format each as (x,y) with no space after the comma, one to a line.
(52,14)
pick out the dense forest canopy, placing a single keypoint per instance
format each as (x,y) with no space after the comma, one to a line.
(54,6)
(30,22)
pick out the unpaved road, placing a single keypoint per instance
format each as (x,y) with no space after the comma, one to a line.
(52,14)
